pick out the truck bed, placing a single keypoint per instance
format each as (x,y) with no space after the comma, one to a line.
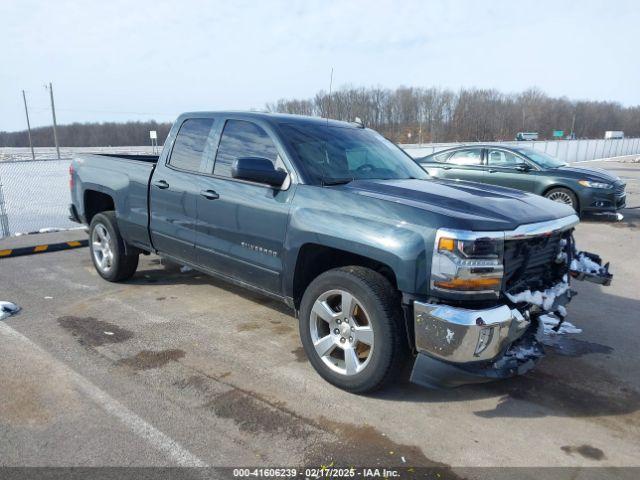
(141,158)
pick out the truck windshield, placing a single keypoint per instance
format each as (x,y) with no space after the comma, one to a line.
(331,154)
(542,159)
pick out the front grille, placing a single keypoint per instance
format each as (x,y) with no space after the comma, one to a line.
(531,263)
(618,189)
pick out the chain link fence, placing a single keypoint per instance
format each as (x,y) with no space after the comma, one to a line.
(34,194)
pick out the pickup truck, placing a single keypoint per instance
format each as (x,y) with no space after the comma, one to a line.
(380,263)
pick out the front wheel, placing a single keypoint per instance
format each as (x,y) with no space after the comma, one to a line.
(563,195)
(350,327)
(108,251)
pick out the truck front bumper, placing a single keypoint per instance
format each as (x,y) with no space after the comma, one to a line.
(457,346)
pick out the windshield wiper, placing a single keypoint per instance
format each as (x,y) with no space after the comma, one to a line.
(326,182)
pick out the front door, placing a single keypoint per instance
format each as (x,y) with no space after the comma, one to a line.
(508,169)
(242,225)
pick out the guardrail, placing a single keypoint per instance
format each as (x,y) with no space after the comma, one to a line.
(569,151)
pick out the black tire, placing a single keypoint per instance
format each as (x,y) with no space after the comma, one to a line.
(122,266)
(558,194)
(381,302)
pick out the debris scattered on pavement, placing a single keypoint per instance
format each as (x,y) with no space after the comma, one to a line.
(7,309)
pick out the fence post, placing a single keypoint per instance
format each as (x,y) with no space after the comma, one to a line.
(4,219)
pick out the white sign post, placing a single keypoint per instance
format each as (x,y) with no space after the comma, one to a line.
(153,135)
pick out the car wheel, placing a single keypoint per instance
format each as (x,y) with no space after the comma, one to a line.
(563,195)
(350,327)
(108,249)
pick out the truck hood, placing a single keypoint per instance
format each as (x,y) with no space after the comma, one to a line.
(474,206)
(597,174)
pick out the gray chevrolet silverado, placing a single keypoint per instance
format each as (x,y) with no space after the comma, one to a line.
(381,263)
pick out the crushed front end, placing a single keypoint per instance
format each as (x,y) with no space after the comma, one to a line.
(489,293)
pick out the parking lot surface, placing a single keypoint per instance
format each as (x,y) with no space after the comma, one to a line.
(178,369)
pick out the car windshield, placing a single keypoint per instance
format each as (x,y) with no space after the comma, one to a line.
(542,159)
(332,154)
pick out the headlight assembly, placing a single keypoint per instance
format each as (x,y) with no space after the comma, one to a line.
(467,262)
(592,184)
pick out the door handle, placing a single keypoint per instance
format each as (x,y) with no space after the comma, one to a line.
(492,171)
(209,194)
(162,184)
(446,168)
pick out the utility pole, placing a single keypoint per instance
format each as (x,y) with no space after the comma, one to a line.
(55,126)
(26,111)
(573,126)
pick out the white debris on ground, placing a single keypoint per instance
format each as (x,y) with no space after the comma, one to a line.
(582,263)
(522,352)
(544,299)
(7,309)
(548,322)
(185,269)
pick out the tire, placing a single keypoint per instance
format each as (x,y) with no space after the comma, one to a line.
(365,352)
(108,250)
(563,195)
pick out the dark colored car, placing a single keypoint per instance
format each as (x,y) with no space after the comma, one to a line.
(375,257)
(587,190)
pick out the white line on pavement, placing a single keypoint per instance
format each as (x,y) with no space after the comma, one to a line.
(140,427)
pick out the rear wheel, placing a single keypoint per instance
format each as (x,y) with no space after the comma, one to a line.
(350,327)
(108,249)
(563,195)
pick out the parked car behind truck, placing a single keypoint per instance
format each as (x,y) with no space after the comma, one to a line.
(377,260)
(586,190)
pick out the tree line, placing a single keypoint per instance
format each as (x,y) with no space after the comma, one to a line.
(420,115)
(106,134)
(404,114)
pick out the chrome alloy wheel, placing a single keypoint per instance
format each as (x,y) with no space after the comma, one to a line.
(102,248)
(341,332)
(561,197)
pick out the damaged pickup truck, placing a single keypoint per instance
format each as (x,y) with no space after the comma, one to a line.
(380,262)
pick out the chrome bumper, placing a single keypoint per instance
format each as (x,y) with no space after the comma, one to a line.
(460,335)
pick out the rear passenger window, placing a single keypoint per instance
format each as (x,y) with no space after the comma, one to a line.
(193,144)
(472,156)
(243,139)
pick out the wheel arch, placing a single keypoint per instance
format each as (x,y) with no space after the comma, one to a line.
(314,259)
(566,187)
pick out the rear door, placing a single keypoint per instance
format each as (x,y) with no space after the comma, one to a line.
(242,225)
(464,164)
(175,189)
(504,168)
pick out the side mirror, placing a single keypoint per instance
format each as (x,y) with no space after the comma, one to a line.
(523,167)
(259,170)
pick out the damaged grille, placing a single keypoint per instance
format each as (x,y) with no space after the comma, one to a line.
(531,263)
(618,189)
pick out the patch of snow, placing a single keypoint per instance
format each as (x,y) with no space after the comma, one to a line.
(582,263)
(544,299)
(7,309)
(449,336)
(548,322)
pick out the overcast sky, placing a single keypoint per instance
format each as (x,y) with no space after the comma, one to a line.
(122,60)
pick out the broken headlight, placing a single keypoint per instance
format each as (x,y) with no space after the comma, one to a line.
(467,262)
